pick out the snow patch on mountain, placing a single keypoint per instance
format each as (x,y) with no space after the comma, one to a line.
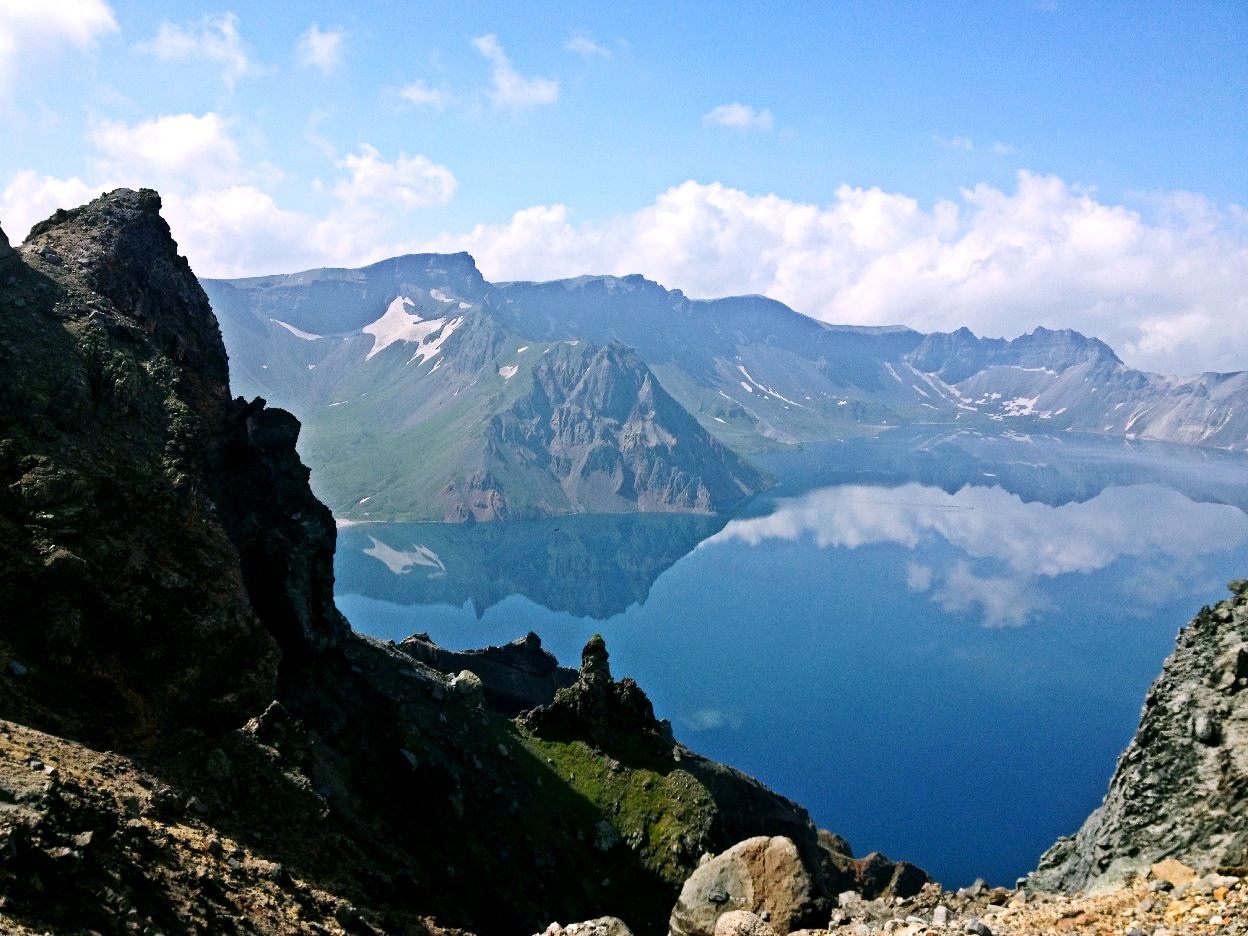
(297,332)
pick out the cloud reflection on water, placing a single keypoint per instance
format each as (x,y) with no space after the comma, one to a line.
(1007,545)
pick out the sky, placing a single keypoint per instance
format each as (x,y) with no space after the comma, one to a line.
(999,165)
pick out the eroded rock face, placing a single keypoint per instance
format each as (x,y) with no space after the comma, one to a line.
(763,876)
(1181,788)
(515,677)
(599,709)
(119,580)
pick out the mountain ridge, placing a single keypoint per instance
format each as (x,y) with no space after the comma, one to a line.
(754,374)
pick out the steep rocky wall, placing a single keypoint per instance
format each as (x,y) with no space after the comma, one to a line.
(1181,788)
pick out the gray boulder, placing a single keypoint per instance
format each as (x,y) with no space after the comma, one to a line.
(602,926)
(764,876)
(742,923)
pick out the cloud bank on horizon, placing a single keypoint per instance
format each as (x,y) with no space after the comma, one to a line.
(1163,280)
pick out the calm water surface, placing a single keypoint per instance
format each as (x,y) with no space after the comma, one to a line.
(936,642)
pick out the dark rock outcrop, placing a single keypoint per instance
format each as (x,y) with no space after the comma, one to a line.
(1181,788)
(515,677)
(600,710)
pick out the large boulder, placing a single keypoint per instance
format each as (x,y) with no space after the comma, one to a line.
(603,926)
(763,875)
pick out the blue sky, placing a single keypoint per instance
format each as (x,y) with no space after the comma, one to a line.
(1108,142)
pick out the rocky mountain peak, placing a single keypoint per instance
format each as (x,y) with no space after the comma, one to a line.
(114,400)
(118,247)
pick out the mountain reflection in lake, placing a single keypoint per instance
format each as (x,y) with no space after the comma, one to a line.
(937,642)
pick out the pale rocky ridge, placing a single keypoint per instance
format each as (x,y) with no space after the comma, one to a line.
(746,371)
(1181,787)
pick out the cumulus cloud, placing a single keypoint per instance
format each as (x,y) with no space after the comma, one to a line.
(586,47)
(30,30)
(217,205)
(321,49)
(420,94)
(1161,287)
(213,39)
(512,90)
(29,197)
(410,181)
(739,117)
(165,149)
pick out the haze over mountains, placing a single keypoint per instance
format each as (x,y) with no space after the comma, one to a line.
(428,393)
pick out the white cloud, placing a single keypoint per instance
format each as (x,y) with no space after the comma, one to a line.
(960,143)
(31,29)
(319,48)
(511,90)
(411,181)
(420,94)
(740,117)
(213,39)
(586,47)
(1162,289)
(168,149)
(217,205)
(31,197)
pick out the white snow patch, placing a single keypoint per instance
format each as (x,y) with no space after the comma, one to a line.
(767,390)
(440,295)
(889,367)
(719,420)
(508,372)
(746,387)
(1020,406)
(397,324)
(341,403)
(311,366)
(522,350)
(429,349)
(465,305)
(365,500)
(297,332)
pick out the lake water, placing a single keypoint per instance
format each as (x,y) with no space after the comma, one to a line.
(936,642)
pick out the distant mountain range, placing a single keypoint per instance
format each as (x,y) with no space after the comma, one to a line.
(428,393)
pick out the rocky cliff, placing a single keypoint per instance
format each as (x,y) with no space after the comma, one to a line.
(1181,788)
(598,434)
(193,738)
